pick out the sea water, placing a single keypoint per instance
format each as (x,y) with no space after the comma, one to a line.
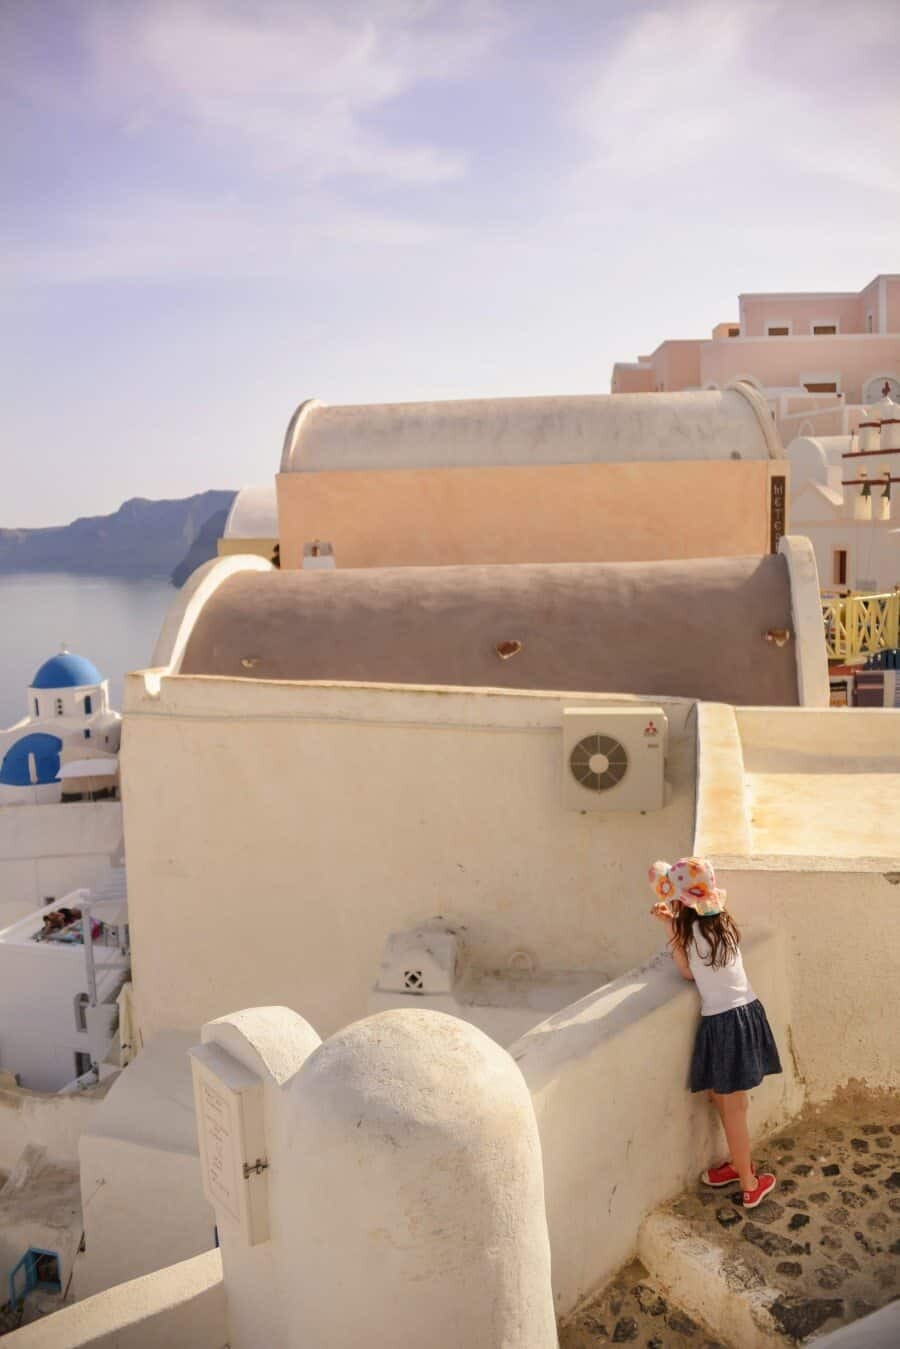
(113,623)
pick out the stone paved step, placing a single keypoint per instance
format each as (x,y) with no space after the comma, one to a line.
(824,1251)
(635,1309)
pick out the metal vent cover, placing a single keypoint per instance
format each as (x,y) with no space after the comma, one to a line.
(598,762)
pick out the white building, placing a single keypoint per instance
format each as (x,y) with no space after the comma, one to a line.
(60,815)
(68,717)
(58,990)
(252,524)
(843,499)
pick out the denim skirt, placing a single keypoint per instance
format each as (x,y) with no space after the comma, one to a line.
(733,1050)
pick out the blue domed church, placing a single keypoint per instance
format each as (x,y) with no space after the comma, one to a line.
(66,748)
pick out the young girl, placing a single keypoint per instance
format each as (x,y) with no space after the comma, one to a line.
(734,1049)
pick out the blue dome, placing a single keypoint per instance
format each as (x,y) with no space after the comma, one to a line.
(45,748)
(66,671)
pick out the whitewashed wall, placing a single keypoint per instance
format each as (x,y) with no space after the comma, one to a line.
(277,832)
(620,1131)
(141,1194)
(183,1304)
(50,850)
(49,1121)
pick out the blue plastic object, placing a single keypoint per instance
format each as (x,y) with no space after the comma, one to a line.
(31,1272)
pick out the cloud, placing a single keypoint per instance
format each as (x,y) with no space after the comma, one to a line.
(292,85)
(767,85)
(161,237)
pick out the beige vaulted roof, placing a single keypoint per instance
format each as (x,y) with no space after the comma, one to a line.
(693,629)
(732,423)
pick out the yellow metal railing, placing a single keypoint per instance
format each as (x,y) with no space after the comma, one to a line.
(860,625)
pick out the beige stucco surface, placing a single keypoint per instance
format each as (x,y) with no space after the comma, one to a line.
(807,842)
(819,783)
(181,1305)
(140,1173)
(683,629)
(253,514)
(509,432)
(412,1192)
(47,1120)
(276,833)
(563,512)
(619,1130)
(243,547)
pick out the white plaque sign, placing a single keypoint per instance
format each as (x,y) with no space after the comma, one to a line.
(228,1099)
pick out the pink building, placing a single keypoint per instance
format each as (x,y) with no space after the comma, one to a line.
(819,358)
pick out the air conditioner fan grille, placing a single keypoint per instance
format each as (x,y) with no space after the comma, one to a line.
(598,762)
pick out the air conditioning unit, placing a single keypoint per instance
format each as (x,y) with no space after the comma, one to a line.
(614,758)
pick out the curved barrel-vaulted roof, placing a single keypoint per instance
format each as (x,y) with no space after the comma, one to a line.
(253,514)
(732,423)
(693,629)
(66,671)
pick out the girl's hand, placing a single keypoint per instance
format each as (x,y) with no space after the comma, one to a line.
(662,912)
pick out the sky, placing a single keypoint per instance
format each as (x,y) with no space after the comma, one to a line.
(214,209)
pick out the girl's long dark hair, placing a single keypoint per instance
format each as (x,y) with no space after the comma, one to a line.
(719,929)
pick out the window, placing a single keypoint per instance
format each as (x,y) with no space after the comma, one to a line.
(88,705)
(778,330)
(869,327)
(824,329)
(59,707)
(734,332)
(82,1064)
(87,734)
(37,708)
(840,566)
(820,386)
(82,1001)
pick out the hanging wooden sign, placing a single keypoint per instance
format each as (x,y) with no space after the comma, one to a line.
(777,510)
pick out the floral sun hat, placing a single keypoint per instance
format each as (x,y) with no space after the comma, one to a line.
(690,881)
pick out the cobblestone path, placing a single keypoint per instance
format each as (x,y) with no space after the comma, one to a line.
(827,1244)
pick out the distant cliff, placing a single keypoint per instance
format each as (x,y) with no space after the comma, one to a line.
(142,538)
(203,547)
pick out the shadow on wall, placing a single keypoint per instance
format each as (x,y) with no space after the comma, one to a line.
(608,1077)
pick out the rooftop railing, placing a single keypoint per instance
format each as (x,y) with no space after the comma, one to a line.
(860,625)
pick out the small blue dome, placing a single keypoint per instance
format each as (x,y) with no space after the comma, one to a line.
(45,748)
(66,671)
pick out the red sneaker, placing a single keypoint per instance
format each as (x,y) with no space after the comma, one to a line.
(765,1184)
(719,1175)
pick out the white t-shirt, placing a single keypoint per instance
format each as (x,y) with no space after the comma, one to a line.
(722,988)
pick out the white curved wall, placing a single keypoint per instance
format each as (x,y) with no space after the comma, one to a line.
(188,604)
(623,428)
(253,514)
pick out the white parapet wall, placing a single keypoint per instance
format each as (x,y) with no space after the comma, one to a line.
(278,802)
(806,612)
(141,1194)
(799,810)
(50,1121)
(180,1306)
(620,1132)
(388,1189)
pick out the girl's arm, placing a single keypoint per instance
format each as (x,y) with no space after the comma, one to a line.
(661,912)
(681,960)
